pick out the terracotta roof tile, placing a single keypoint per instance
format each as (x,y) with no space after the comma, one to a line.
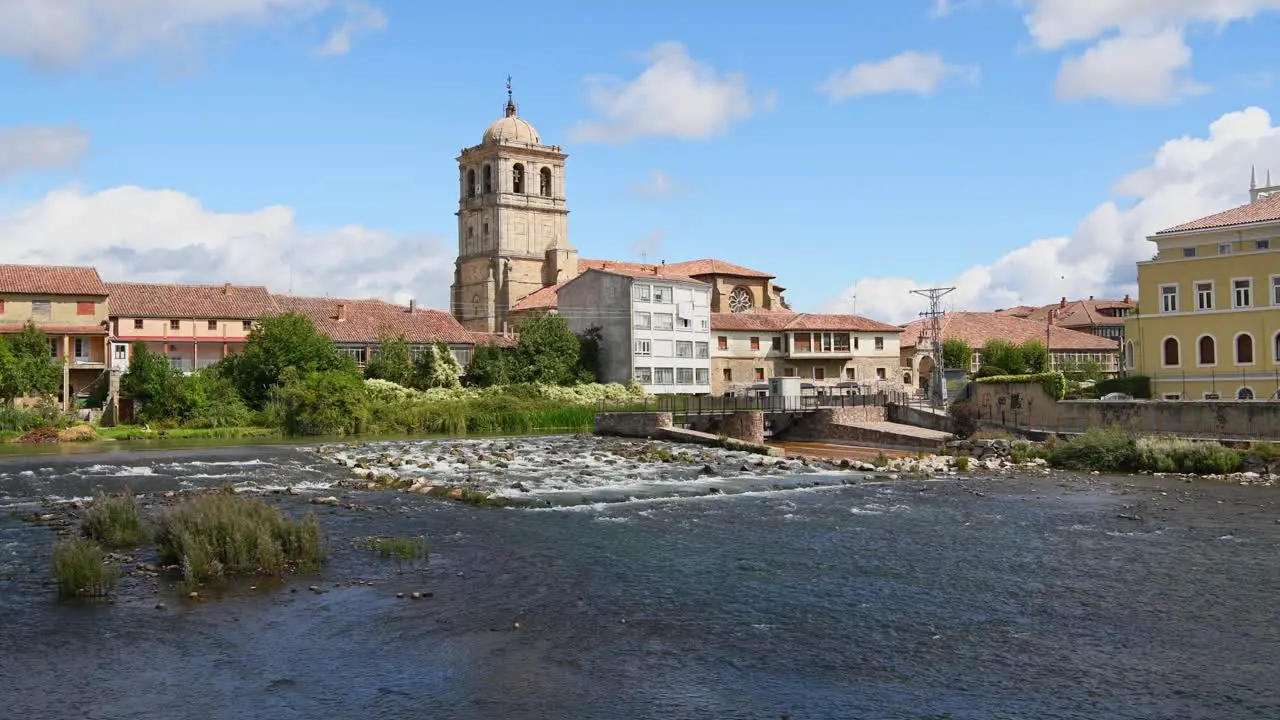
(50,280)
(1266,209)
(155,300)
(688,268)
(640,274)
(784,321)
(1080,313)
(55,329)
(546,298)
(502,341)
(368,320)
(977,328)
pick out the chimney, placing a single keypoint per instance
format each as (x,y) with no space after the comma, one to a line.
(1063,303)
(413,304)
(342,311)
(1126,298)
(226,288)
(1090,297)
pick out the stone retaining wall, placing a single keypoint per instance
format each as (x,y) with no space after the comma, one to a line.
(919,417)
(813,425)
(745,425)
(837,432)
(631,424)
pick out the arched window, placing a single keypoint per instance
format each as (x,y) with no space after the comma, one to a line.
(1244,349)
(1244,393)
(1128,355)
(471,182)
(544,182)
(1207,351)
(1170,352)
(487,175)
(1275,349)
(517,178)
(740,300)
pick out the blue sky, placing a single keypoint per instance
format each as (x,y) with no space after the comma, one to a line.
(311,143)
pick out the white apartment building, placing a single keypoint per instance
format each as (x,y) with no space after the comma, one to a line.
(655,329)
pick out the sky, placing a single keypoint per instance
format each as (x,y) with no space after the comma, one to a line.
(1017,150)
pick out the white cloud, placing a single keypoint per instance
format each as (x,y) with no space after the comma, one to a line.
(657,185)
(1054,24)
(1131,70)
(1189,177)
(674,96)
(38,148)
(912,71)
(943,8)
(361,18)
(61,33)
(130,233)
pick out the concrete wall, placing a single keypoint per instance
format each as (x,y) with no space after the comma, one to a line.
(814,425)
(1026,405)
(604,301)
(919,417)
(747,425)
(631,424)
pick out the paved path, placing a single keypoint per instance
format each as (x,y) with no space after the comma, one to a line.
(900,429)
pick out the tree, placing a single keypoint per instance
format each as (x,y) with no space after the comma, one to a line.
(436,367)
(547,353)
(329,402)
(1035,356)
(1003,355)
(956,354)
(393,362)
(153,384)
(209,400)
(489,366)
(27,368)
(589,355)
(275,344)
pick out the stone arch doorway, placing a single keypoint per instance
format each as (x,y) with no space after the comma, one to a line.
(924,373)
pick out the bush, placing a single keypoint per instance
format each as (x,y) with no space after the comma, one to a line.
(220,534)
(1137,386)
(1175,455)
(401,549)
(210,401)
(964,418)
(80,570)
(333,402)
(1266,453)
(956,354)
(1054,383)
(962,463)
(1104,450)
(18,419)
(114,522)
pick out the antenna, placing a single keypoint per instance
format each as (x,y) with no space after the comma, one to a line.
(853,300)
(937,391)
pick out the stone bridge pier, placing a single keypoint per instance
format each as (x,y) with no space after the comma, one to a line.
(744,425)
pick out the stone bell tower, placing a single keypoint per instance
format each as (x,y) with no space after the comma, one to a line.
(513,222)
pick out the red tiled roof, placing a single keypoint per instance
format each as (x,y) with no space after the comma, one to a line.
(368,320)
(50,280)
(977,328)
(641,274)
(154,300)
(502,341)
(58,329)
(688,268)
(784,321)
(1266,209)
(1077,313)
(546,298)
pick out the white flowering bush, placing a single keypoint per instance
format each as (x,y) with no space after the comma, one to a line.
(589,394)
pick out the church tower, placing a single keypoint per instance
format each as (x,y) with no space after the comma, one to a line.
(513,222)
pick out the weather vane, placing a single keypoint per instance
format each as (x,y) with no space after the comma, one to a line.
(508,87)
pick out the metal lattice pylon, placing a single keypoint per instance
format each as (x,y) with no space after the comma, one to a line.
(937,384)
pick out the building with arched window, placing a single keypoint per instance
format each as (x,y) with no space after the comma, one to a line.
(1208,319)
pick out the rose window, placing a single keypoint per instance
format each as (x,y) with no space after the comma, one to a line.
(740,300)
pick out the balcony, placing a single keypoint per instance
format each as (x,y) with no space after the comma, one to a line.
(87,362)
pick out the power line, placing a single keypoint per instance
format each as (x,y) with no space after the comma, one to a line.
(937,390)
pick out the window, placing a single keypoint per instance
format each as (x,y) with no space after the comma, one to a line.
(484,231)
(174,324)
(755,343)
(544,182)
(682,323)
(1,307)
(702,376)
(1204,296)
(789,372)
(517,178)
(1244,349)
(842,342)
(776,343)
(463,356)
(471,182)
(684,376)
(137,324)
(704,324)
(1243,292)
(664,376)
(850,373)
(879,343)
(662,348)
(855,342)
(644,347)
(819,373)
(1244,393)
(1261,244)
(1224,249)
(727,374)
(81,349)
(1275,289)
(53,347)
(213,324)
(802,343)
(699,298)
(1128,354)
(644,375)
(40,309)
(642,321)
(487,179)
(1169,298)
(247,325)
(1212,396)
(662,294)
(119,351)
(701,350)
(359,353)
(1169,352)
(1275,349)
(1171,396)
(740,300)
(759,373)
(1206,351)
(881,374)
(640,293)
(662,321)
(684,349)
(84,308)
(1188,252)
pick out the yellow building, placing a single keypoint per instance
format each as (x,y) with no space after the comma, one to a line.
(1208,319)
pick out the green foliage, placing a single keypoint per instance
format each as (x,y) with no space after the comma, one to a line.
(80,569)
(26,365)
(401,549)
(220,534)
(1136,386)
(548,352)
(589,355)
(276,344)
(880,460)
(113,521)
(489,367)
(18,419)
(1035,356)
(1004,355)
(962,463)
(1102,449)
(209,400)
(964,418)
(987,371)
(436,367)
(1266,453)
(1021,451)
(956,354)
(1054,383)
(1115,450)
(153,384)
(330,402)
(393,362)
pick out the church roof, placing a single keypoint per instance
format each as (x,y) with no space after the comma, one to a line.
(688,268)
(510,127)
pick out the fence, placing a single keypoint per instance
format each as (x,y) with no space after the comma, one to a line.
(1213,385)
(721,405)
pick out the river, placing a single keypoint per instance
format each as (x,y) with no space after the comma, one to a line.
(838,596)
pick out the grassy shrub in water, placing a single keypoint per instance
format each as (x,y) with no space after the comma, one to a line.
(79,569)
(1168,454)
(216,535)
(401,549)
(1102,449)
(114,522)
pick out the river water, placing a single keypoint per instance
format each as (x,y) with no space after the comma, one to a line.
(838,596)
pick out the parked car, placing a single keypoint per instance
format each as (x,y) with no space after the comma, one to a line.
(1117,396)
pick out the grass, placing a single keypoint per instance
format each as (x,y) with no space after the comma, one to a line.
(486,416)
(401,549)
(113,521)
(137,432)
(1115,450)
(80,570)
(962,463)
(881,460)
(992,435)
(221,534)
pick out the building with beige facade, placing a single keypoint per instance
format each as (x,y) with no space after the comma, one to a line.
(69,304)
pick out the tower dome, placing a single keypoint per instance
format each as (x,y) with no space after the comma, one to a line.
(510,127)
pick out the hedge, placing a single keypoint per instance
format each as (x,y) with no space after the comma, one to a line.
(1135,386)
(1054,383)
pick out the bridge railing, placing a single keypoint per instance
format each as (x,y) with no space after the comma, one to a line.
(707,405)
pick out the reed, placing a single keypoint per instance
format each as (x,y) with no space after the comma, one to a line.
(401,549)
(113,521)
(80,569)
